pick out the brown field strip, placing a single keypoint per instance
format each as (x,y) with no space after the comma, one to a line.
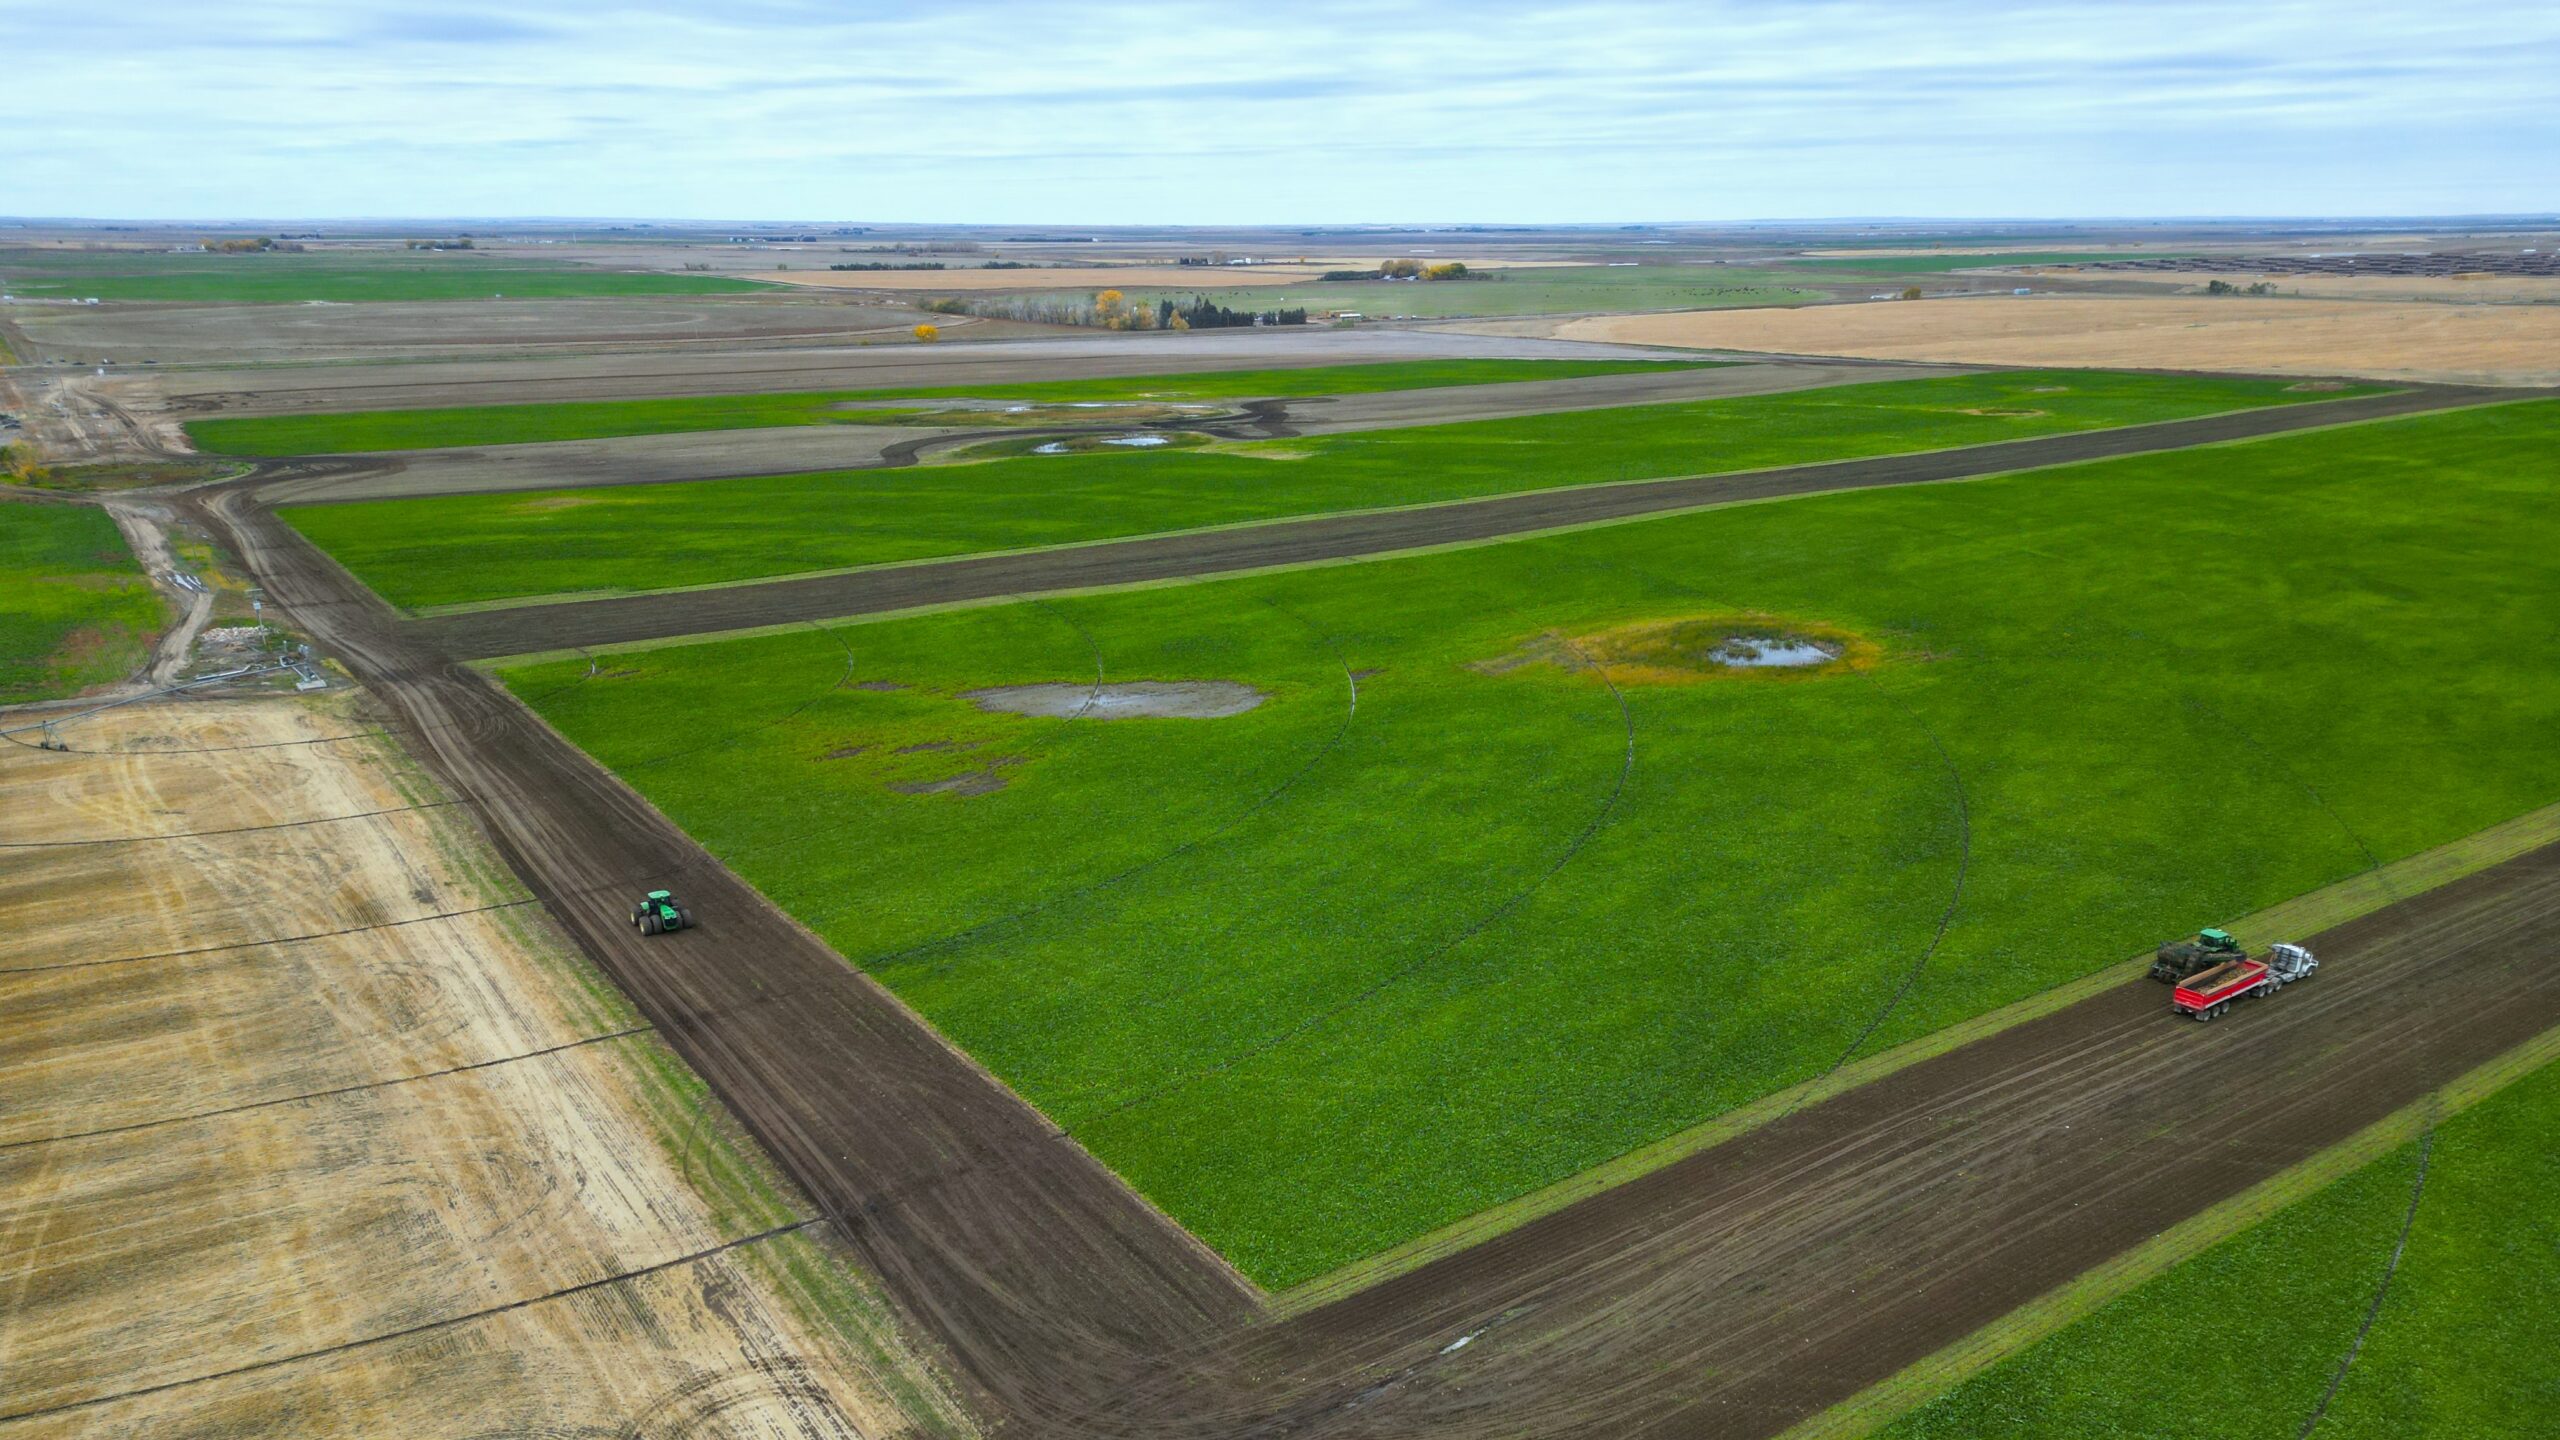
(2415,341)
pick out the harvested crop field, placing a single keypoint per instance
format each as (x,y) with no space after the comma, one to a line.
(964,276)
(2465,344)
(296,334)
(314,1115)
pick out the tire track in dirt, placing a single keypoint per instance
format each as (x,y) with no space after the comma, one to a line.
(1508,905)
(2381,1290)
(406,1332)
(232,830)
(330,1093)
(971,935)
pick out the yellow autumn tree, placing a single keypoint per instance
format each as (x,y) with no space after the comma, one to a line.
(928,333)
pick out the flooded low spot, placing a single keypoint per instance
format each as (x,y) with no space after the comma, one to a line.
(1124,700)
(1772,651)
(1081,443)
(1693,649)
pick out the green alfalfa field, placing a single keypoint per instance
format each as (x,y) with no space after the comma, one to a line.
(1498,882)
(358,430)
(2257,1327)
(75,610)
(473,549)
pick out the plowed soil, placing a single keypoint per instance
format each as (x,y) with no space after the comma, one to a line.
(1728,1294)
(312,1116)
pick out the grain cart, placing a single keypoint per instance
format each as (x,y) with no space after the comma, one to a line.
(2181,958)
(2208,993)
(658,913)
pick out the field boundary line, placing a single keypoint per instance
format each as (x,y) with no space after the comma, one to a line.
(866,617)
(1925,1380)
(2357,895)
(535,602)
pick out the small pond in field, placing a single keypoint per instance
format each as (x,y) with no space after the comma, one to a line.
(1767,652)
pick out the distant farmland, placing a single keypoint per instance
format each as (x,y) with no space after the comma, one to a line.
(337,277)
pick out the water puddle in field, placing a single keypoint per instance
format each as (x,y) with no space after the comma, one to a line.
(1778,652)
(1692,649)
(1133,442)
(1126,700)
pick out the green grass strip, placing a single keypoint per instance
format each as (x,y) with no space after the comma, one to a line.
(1881,1404)
(447,550)
(2322,909)
(365,430)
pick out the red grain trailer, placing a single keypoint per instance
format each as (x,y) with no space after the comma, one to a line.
(2208,993)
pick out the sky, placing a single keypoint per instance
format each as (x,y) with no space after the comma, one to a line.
(1164,113)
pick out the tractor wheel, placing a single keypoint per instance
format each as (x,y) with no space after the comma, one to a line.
(684,918)
(649,923)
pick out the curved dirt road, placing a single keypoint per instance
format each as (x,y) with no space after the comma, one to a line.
(1728,1294)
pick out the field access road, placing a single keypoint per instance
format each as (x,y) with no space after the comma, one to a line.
(1728,1294)
(622,619)
(784,450)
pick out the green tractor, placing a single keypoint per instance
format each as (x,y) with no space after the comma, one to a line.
(658,914)
(2181,958)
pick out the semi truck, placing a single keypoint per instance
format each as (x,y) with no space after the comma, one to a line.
(2207,993)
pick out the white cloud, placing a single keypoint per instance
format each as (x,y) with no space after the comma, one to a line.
(1132,112)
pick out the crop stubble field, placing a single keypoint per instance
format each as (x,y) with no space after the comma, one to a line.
(337,277)
(2490,344)
(1451,914)
(427,553)
(305,1101)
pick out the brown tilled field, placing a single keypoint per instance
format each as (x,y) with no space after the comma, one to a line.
(313,1115)
(2466,344)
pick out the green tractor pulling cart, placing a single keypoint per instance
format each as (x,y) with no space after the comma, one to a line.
(2181,958)
(658,913)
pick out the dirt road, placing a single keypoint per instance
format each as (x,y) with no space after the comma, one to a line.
(1727,1295)
(577,623)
